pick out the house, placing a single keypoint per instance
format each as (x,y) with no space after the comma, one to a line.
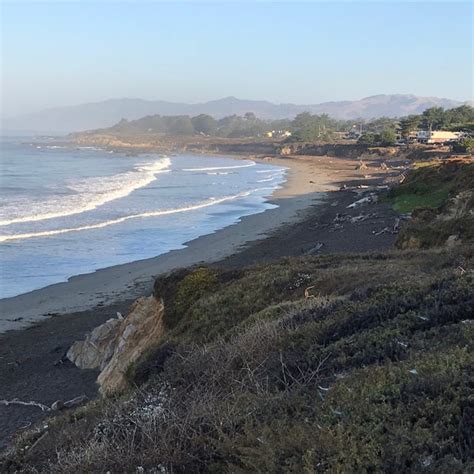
(437,136)
(278,134)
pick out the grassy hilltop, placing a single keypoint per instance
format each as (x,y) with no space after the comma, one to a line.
(336,363)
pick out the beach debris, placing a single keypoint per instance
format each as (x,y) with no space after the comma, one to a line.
(362,165)
(396,224)
(307,294)
(413,371)
(316,248)
(360,218)
(75,401)
(371,198)
(28,404)
(119,315)
(55,406)
(385,230)
(384,166)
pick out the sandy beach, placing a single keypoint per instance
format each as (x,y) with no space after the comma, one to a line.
(306,186)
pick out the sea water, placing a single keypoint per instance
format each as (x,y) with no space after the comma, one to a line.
(68,210)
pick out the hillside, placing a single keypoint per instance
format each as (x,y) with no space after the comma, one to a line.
(107,113)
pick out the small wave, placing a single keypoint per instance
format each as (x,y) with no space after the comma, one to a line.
(100,225)
(217,174)
(220,167)
(89,194)
(266,179)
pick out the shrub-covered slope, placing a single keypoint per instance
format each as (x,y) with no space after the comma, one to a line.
(359,363)
(440,196)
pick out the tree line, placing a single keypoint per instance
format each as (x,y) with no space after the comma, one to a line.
(305,126)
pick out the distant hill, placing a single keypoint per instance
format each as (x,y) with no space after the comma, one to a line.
(107,113)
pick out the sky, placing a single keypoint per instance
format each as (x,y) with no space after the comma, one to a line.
(65,53)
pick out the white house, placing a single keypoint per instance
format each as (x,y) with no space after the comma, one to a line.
(437,136)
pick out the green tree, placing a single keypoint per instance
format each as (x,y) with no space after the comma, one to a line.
(309,127)
(433,118)
(460,116)
(388,137)
(181,125)
(408,124)
(204,124)
(367,138)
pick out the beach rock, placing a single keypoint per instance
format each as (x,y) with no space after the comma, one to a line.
(113,346)
(137,333)
(97,349)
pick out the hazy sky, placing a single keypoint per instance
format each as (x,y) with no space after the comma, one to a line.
(63,53)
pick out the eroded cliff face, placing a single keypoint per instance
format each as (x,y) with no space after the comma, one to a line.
(140,142)
(115,345)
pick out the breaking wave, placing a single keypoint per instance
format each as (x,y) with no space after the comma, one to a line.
(220,167)
(88,194)
(99,225)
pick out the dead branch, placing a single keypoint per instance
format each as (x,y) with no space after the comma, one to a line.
(307,294)
(57,405)
(28,404)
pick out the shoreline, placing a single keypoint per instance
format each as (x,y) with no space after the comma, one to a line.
(131,280)
(37,353)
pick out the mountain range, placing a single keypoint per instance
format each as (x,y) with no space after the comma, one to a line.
(107,113)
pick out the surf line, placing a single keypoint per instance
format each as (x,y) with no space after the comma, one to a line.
(100,225)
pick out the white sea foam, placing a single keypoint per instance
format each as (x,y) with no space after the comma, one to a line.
(99,225)
(220,167)
(88,194)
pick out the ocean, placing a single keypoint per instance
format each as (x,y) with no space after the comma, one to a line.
(68,210)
